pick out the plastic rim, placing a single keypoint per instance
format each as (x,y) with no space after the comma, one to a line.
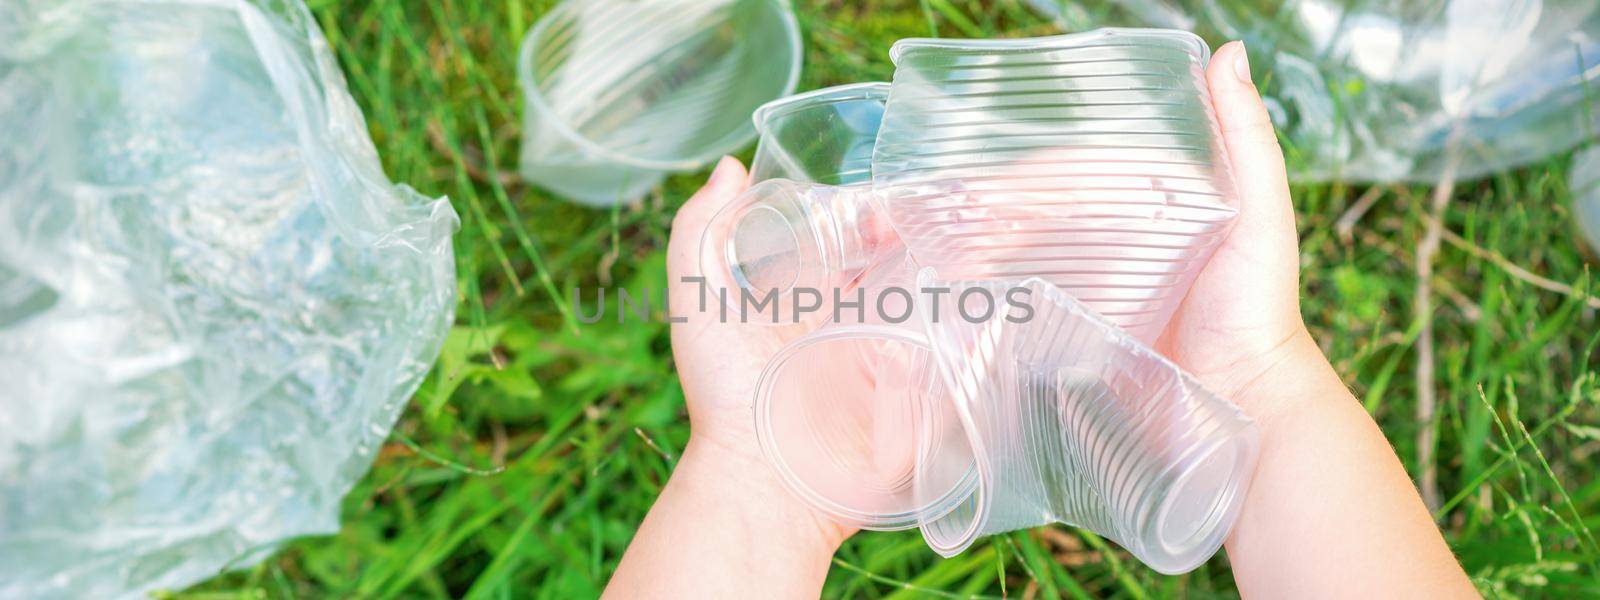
(1187,544)
(933,509)
(1198,46)
(830,95)
(733,141)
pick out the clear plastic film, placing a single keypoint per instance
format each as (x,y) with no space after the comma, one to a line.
(620,93)
(213,303)
(1091,160)
(1390,90)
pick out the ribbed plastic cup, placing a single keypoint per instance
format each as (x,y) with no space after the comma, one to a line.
(1072,420)
(824,136)
(781,239)
(1002,406)
(855,419)
(1093,161)
(620,93)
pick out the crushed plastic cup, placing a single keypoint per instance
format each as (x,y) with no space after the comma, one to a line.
(1093,161)
(1585,186)
(1072,420)
(781,239)
(824,136)
(620,93)
(854,416)
(1004,406)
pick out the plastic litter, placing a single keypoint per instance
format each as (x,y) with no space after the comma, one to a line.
(1091,160)
(782,238)
(1365,90)
(1086,171)
(808,222)
(1585,185)
(213,303)
(855,417)
(824,137)
(973,421)
(620,93)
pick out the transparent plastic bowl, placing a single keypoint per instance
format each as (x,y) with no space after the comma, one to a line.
(824,136)
(1093,161)
(620,93)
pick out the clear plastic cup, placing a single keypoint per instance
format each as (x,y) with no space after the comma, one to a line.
(620,93)
(854,415)
(783,239)
(979,416)
(1072,420)
(1092,161)
(824,136)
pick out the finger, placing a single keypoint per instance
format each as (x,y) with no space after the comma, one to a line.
(1252,144)
(727,181)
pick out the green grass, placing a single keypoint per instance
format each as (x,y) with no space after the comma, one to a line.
(535,447)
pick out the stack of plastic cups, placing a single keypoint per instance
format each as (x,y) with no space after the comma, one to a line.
(1084,172)
(620,93)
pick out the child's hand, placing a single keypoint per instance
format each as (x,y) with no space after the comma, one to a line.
(719,361)
(1239,329)
(724,510)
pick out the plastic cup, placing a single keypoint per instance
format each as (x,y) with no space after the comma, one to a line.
(977,416)
(781,239)
(620,93)
(825,136)
(855,419)
(1072,420)
(1092,161)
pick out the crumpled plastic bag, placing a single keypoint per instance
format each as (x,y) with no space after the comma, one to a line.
(213,303)
(1396,90)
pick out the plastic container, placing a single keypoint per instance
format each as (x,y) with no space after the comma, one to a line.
(855,419)
(824,136)
(782,238)
(1091,160)
(981,416)
(1072,420)
(620,93)
(1365,90)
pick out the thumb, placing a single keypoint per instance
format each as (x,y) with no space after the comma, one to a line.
(727,181)
(1266,214)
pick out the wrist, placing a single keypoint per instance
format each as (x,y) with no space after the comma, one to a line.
(745,492)
(1281,380)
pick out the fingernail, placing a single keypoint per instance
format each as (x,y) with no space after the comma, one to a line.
(719,174)
(1241,64)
